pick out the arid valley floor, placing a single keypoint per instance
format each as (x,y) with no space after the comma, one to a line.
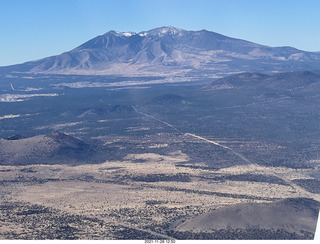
(144,163)
(129,199)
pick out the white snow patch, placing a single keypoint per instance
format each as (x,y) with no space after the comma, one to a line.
(7,98)
(10,116)
(143,34)
(86,84)
(221,87)
(298,56)
(159,145)
(127,34)
(29,89)
(133,129)
(59,126)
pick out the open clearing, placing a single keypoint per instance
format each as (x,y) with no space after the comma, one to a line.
(145,191)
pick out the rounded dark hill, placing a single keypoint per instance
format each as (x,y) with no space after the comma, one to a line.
(120,109)
(288,81)
(53,148)
(297,216)
(168,99)
(241,80)
(63,138)
(292,80)
(117,109)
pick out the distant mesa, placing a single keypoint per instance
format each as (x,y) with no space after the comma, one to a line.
(170,51)
(282,81)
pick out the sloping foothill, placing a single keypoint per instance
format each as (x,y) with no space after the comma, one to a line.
(53,148)
(292,218)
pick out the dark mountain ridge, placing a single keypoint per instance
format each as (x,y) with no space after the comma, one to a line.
(282,81)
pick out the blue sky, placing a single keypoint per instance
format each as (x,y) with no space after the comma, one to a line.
(34,29)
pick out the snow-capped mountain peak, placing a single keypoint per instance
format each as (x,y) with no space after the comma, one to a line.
(168,50)
(119,33)
(165,30)
(127,34)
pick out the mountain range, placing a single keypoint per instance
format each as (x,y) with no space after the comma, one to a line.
(171,51)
